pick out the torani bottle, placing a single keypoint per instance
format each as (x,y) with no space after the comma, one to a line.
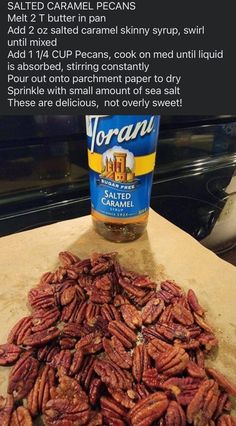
(121,155)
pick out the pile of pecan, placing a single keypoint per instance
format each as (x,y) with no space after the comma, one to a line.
(105,346)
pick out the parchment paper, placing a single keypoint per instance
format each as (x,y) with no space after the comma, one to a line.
(164,251)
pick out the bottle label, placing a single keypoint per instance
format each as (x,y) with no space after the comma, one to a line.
(121,154)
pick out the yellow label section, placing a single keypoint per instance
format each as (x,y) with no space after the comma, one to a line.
(143,164)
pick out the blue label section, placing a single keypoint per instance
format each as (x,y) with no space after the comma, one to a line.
(118,187)
(126,202)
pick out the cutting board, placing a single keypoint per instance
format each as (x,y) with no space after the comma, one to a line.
(163,251)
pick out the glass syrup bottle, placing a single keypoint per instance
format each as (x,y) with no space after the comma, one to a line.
(121,156)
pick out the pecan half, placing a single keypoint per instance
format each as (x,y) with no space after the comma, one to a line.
(100,296)
(77,360)
(182,315)
(21,330)
(166,315)
(175,415)
(9,353)
(125,398)
(80,294)
(86,373)
(21,417)
(117,353)
(86,282)
(183,388)
(101,267)
(112,375)
(141,391)
(149,409)
(44,319)
(98,325)
(194,304)
(46,278)
(142,300)
(144,281)
(62,361)
(221,405)
(120,300)
(131,316)
(67,342)
(151,378)
(203,404)
(71,311)
(222,381)
(73,329)
(40,393)
(79,312)
(90,344)
(59,275)
(172,288)
(207,341)
(165,296)
(200,360)
(113,413)
(67,258)
(64,411)
(130,289)
(173,331)
(80,268)
(68,295)
(42,297)
(141,361)
(192,344)
(226,420)
(173,362)
(203,324)
(41,337)
(6,407)
(68,406)
(195,371)
(101,291)
(194,330)
(95,391)
(123,333)
(22,376)
(103,283)
(59,288)
(109,312)
(156,347)
(150,333)
(92,312)
(48,352)
(152,310)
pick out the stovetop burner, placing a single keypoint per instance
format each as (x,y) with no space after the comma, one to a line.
(216,187)
(193,215)
(195,203)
